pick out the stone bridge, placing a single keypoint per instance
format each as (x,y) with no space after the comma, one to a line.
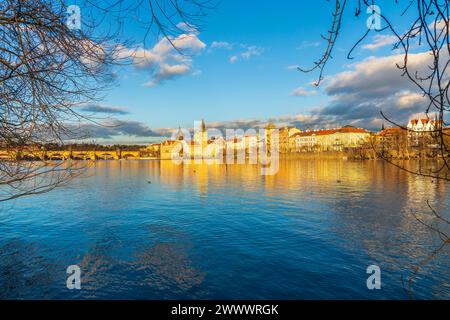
(65,155)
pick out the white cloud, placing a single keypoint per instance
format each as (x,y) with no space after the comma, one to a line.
(252,51)
(233,59)
(241,51)
(164,60)
(302,92)
(378,76)
(300,120)
(293,67)
(168,72)
(376,84)
(187,28)
(221,45)
(307,44)
(249,51)
(439,25)
(408,99)
(379,41)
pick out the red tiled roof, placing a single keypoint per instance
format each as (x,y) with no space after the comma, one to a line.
(425,120)
(330,131)
(389,131)
(169,142)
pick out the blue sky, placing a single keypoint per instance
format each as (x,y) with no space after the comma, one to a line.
(240,71)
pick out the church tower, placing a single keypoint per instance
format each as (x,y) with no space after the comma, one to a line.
(179,135)
(201,137)
(268,135)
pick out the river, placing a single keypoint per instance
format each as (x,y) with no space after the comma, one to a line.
(155,230)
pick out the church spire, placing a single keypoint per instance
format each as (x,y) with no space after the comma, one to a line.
(203,127)
(270,125)
(180,134)
(382,126)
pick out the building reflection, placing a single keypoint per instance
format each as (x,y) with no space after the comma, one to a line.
(360,209)
(293,175)
(371,203)
(381,220)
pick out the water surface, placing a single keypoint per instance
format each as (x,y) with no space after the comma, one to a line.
(225,232)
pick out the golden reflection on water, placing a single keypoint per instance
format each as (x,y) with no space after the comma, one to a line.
(345,184)
(300,175)
(354,177)
(358,208)
(369,198)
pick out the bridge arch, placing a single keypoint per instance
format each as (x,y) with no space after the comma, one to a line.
(56,156)
(128,155)
(80,156)
(31,157)
(106,156)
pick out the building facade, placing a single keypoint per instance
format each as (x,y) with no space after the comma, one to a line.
(290,140)
(421,132)
(168,148)
(330,139)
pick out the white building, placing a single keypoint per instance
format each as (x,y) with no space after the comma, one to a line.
(421,125)
(420,129)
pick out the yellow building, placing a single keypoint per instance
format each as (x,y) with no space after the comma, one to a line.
(152,150)
(170,147)
(330,139)
(198,147)
(269,132)
(289,143)
(284,137)
(289,140)
(304,141)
